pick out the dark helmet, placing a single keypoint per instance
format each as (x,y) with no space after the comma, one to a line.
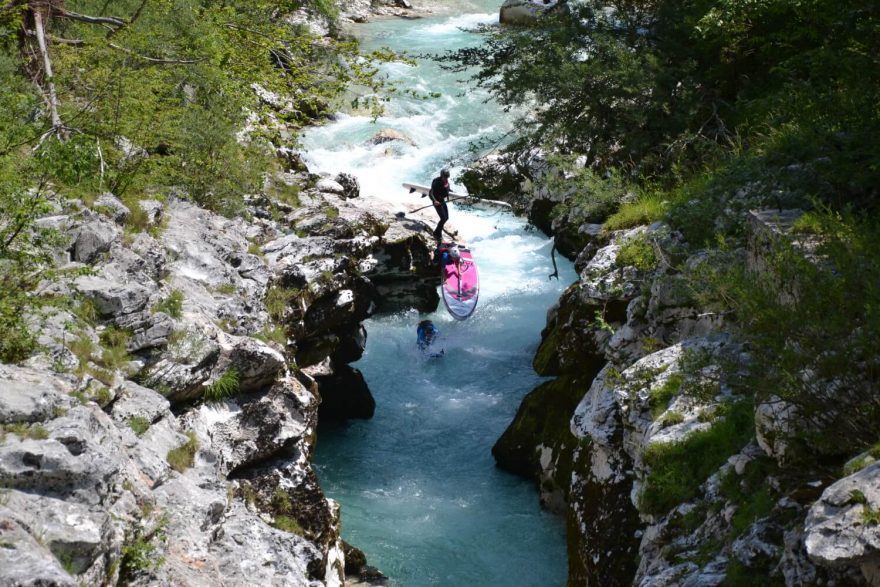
(444,173)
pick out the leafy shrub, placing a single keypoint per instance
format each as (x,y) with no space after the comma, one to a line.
(638,252)
(658,398)
(114,342)
(278,299)
(812,322)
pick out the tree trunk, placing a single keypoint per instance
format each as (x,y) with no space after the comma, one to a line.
(47,70)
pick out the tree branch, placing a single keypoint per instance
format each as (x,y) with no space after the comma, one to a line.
(57,40)
(108,20)
(155,59)
(47,70)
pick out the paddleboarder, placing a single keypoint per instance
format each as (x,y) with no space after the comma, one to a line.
(439,193)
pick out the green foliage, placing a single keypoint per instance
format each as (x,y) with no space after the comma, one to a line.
(114,352)
(738,575)
(172,305)
(659,397)
(870,516)
(646,209)
(275,334)
(288,524)
(24,430)
(672,418)
(677,470)
(278,299)
(83,348)
(226,288)
(182,458)
(86,311)
(589,196)
(223,388)
(138,424)
(750,494)
(863,460)
(24,251)
(157,102)
(812,322)
(138,552)
(856,496)
(639,252)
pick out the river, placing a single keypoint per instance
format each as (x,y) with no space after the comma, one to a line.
(418,486)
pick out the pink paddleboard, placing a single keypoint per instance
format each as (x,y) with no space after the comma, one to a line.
(461,281)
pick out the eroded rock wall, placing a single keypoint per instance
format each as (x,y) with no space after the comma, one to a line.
(163,432)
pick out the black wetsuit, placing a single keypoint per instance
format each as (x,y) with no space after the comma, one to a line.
(439,193)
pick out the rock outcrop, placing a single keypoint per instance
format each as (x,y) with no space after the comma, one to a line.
(650,427)
(163,432)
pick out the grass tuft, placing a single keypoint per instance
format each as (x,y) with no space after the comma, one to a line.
(182,458)
(646,210)
(224,387)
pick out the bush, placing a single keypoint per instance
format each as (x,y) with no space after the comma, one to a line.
(812,321)
(638,252)
(677,470)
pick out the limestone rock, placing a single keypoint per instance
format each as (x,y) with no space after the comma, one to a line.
(75,534)
(93,238)
(524,12)
(148,329)
(256,363)
(28,395)
(112,298)
(841,528)
(27,563)
(135,401)
(154,210)
(351,188)
(186,364)
(110,205)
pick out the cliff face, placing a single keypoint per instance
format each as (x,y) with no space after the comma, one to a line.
(650,440)
(163,432)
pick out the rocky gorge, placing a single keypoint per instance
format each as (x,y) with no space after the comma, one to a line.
(170,413)
(648,424)
(162,430)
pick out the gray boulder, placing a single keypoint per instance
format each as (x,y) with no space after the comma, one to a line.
(113,207)
(351,188)
(842,528)
(26,562)
(28,395)
(524,12)
(93,238)
(111,298)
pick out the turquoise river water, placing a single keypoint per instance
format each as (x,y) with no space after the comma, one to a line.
(419,489)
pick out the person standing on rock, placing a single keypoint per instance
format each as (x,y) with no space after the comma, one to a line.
(439,193)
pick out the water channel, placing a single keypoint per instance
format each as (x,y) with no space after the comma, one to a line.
(419,489)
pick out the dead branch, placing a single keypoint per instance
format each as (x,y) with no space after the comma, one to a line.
(155,59)
(57,40)
(47,67)
(111,21)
